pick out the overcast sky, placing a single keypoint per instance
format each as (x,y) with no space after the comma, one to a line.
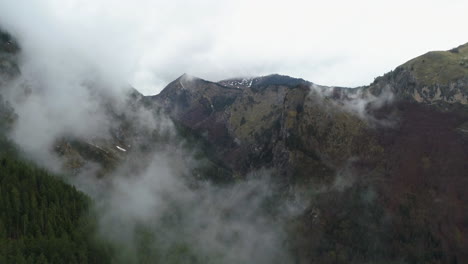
(149,43)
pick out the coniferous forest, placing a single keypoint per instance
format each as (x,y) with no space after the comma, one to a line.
(43,219)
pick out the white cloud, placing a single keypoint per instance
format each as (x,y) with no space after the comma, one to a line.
(150,43)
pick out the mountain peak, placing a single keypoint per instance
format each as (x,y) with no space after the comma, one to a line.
(184,82)
(187,78)
(272,79)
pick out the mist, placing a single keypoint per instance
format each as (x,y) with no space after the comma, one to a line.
(151,206)
(360,102)
(204,223)
(81,60)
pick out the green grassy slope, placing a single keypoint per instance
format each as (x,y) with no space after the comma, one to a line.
(440,67)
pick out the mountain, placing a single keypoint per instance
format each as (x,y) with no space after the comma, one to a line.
(401,140)
(382,167)
(435,77)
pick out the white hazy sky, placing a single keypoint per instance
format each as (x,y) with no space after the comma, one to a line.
(149,43)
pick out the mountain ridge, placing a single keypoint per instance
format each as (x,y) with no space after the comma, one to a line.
(452,67)
(383,167)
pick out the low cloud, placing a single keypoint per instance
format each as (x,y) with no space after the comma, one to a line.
(79,57)
(151,206)
(358,101)
(206,223)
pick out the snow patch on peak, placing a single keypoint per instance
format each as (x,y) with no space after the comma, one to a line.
(121,149)
(238,83)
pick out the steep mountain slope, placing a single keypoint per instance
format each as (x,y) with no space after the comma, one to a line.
(402,140)
(273,121)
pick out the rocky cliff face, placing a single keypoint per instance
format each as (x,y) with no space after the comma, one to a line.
(273,121)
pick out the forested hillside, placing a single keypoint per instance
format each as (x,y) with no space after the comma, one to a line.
(42,219)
